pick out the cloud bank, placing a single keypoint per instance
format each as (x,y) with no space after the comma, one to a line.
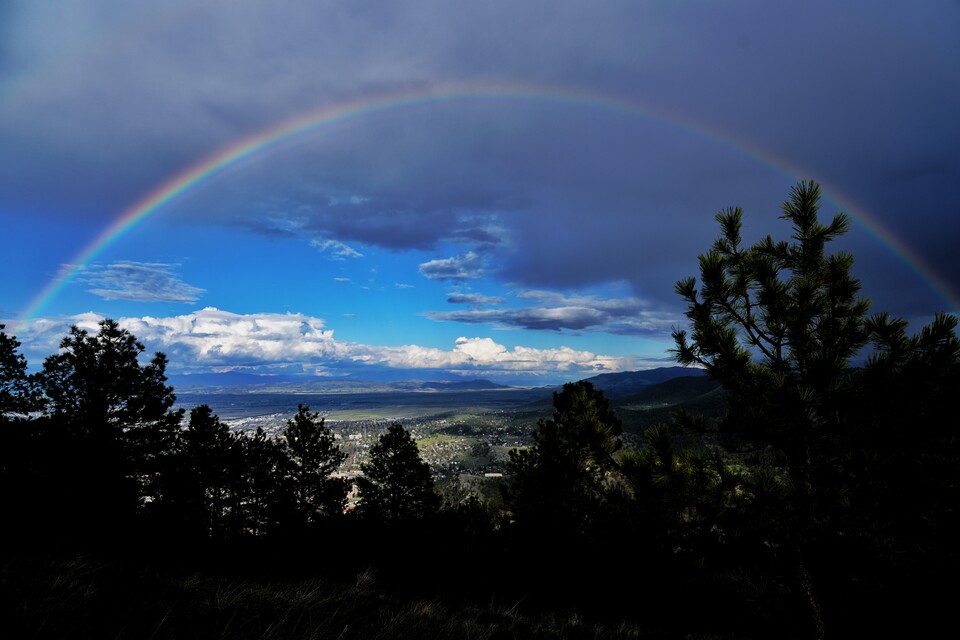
(216,340)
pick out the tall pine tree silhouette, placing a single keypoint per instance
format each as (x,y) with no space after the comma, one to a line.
(396,485)
(779,324)
(113,429)
(314,457)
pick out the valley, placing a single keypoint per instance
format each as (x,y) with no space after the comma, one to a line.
(461,428)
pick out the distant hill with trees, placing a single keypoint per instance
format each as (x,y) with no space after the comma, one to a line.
(618,386)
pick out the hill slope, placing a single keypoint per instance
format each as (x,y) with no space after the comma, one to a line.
(627,383)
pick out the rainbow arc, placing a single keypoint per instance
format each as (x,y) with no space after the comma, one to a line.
(269,139)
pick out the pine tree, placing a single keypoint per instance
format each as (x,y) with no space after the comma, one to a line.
(557,483)
(676,492)
(18,394)
(98,384)
(779,324)
(396,485)
(314,458)
(266,494)
(21,459)
(112,424)
(208,450)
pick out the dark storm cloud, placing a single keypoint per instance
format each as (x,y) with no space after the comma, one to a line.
(557,312)
(112,101)
(550,319)
(393,229)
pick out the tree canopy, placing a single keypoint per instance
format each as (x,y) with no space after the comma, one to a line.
(782,325)
(314,457)
(98,385)
(18,394)
(557,482)
(112,423)
(396,485)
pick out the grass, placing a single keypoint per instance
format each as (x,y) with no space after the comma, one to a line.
(88,596)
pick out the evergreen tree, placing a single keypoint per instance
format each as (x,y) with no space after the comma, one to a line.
(112,425)
(21,466)
(18,394)
(314,458)
(778,324)
(266,497)
(899,467)
(562,498)
(557,483)
(98,384)
(676,493)
(208,451)
(396,485)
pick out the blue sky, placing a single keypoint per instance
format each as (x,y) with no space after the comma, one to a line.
(527,231)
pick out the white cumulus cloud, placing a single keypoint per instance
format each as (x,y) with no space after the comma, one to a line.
(216,340)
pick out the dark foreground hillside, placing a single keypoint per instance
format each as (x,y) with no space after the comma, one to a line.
(84,594)
(90,595)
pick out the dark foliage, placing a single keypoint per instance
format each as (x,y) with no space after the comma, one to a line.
(557,484)
(838,463)
(96,458)
(396,485)
(313,457)
(18,393)
(206,492)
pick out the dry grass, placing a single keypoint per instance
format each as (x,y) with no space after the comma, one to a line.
(87,597)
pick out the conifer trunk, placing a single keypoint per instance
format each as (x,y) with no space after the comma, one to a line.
(809,590)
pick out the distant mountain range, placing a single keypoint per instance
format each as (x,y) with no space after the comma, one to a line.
(251,383)
(640,398)
(460,385)
(614,385)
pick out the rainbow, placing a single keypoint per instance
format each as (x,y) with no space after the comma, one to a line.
(263,142)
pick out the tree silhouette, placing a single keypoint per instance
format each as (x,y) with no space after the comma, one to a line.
(98,383)
(265,493)
(898,468)
(557,483)
(112,422)
(778,324)
(22,470)
(18,393)
(676,492)
(209,457)
(396,485)
(314,458)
